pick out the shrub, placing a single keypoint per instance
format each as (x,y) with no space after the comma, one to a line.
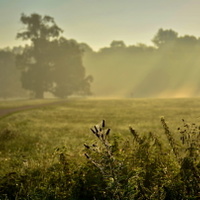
(138,167)
(143,168)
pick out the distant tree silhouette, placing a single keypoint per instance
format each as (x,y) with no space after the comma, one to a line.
(168,68)
(50,64)
(85,48)
(188,41)
(117,43)
(35,61)
(164,36)
(69,74)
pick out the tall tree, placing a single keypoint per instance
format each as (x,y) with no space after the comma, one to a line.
(51,63)
(117,44)
(36,61)
(69,76)
(164,37)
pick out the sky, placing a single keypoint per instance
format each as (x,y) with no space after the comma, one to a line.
(99,22)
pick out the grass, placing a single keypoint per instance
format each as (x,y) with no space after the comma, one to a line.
(33,138)
(6,104)
(68,124)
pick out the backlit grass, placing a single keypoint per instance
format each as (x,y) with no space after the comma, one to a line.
(32,139)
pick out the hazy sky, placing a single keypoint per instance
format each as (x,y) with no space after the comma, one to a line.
(98,22)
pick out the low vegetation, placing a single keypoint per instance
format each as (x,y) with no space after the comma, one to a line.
(57,152)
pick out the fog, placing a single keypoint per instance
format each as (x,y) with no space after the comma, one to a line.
(169,69)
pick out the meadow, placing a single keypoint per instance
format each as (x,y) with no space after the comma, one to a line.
(45,152)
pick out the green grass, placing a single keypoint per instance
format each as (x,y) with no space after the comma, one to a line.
(69,123)
(5,104)
(34,137)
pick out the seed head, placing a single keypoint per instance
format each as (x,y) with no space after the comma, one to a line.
(96,129)
(87,156)
(107,132)
(86,146)
(103,124)
(93,131)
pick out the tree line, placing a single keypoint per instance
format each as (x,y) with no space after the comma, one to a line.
(50,64)
(167,68)
(54,64)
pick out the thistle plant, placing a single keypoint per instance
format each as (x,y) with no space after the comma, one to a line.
(190,165)
(186,183)
(170,138)
(101,154)
(132,169)
(190,139)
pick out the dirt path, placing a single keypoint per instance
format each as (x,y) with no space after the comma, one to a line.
(4,112)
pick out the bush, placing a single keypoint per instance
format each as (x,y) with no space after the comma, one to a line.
(139,167)
(144,168)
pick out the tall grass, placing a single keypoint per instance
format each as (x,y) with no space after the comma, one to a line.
(51,153)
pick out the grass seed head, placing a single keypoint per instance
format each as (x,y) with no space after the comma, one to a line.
(107,132)
(86,146)
(93,131)
(87,156)
(103,124)
(96,129)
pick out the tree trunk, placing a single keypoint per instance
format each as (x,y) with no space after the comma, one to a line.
(39,94)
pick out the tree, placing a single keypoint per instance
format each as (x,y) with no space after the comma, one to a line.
(50,64)
(35,61)
(164,36)
(85,48)
(117,44)
(69,74)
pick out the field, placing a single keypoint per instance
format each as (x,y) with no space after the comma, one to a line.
(35,144)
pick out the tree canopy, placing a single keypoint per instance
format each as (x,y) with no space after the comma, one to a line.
(168,68)
(51,64)
(164,36)
(38,27)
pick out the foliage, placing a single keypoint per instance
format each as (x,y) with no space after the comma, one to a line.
(168,68)
(69,75)
(145,169)
(164,36)
(50,64)
(148,165)
(128,70)
(137,169)
(36,60)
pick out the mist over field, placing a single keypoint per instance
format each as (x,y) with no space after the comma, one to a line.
(129,49)
(170,68)
(97,100)
(50,65)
